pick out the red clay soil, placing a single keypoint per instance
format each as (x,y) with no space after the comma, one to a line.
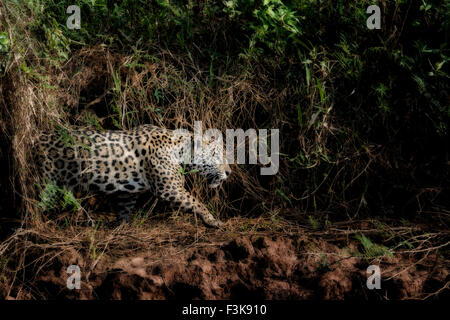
(260,267)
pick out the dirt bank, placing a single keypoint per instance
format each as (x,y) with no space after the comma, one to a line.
(254,266)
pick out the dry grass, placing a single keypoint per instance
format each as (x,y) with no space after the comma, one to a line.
(31,252)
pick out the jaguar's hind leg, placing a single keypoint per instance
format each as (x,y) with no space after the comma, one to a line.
(124,205)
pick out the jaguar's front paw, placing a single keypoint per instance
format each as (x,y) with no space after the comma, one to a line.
(215,224)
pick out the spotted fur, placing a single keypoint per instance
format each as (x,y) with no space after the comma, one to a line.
(129,163)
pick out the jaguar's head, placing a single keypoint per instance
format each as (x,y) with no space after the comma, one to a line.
(211,161)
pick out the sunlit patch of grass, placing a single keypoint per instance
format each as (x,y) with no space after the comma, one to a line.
(371,250)
(53,197)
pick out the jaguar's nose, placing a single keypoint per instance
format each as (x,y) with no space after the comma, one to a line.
(227,171)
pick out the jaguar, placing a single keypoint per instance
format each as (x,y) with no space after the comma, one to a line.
(128,163)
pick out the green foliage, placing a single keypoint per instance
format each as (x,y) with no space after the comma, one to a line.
(93,121)
(53,197)
(275,26)
(372,250)
(283,195)
(183,170)
(92,244)
(4,42)
(4,51)
(314,223)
